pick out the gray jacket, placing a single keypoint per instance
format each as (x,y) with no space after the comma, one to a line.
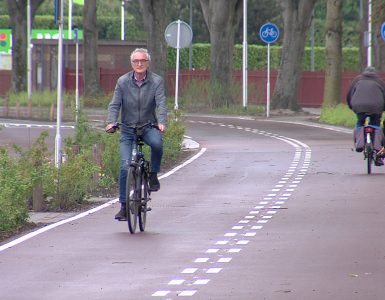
(367,94)
(138,105)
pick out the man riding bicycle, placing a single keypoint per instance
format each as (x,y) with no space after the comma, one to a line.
(366,97)
(139,97)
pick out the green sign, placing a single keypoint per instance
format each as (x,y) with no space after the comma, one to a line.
(39,34)
(5,40)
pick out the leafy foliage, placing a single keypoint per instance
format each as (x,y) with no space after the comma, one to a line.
(14,190)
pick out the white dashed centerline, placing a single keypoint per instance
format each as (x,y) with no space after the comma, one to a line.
(252,222)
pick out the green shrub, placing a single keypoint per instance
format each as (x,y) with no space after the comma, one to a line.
(173,138)
(339,115)
(14,190)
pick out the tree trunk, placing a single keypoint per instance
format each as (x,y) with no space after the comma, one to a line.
(333,49)
(154,17)
(222,18)
(90,50)
(378,43)
(363,27)
(297,18)
(18,20)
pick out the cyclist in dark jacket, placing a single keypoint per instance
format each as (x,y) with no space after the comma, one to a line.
(139,97)
(366,97)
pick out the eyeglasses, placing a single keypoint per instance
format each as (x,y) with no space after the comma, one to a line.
(139,61)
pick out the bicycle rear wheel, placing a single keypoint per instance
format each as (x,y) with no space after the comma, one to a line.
(132,200)
(144,199)
(369,157)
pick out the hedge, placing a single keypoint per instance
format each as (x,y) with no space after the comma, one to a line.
(257,57)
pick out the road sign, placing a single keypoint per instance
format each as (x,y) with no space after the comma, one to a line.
(5,40)
(178,35)
(185,34)
(383,31)
(269,33)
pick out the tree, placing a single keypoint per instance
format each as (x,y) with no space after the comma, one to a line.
(222,18)
(296,18)
(90,50)
(154,18)
(379,45)
(18,18)
(333,49)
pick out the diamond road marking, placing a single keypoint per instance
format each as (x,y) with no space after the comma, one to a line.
(224,259)
(222,242)
(212,250)
(237,227)
(243,242)
(176,282)
(234,250)
(213,270)
(250,234)
(201,281)
(160,293)
(186,293)
(189,270)
(230,234)
(257,227)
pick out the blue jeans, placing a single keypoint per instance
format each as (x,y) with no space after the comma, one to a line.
(374,119)
(151,137)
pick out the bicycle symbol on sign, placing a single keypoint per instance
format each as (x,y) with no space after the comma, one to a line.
(269,32)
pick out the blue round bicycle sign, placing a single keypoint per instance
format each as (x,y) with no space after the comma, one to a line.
(269,33)
(383,31)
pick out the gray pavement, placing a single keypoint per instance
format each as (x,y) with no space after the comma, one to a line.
(188,144)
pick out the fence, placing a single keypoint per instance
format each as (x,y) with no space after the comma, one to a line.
(311,84)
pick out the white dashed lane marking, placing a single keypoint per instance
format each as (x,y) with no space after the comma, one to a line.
(232,242)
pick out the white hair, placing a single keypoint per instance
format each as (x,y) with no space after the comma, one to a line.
(141,50)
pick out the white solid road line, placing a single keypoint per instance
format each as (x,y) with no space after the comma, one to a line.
(88,212)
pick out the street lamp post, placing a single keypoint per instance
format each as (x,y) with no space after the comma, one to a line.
(369,50)
(75,29)
(122,22)
(29,58)
(58,139)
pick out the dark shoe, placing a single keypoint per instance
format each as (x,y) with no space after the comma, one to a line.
(122,214)
(153,183)
(378,162)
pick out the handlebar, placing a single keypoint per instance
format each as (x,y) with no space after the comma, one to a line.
(136,127)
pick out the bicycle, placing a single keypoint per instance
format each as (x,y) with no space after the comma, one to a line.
(137,186)
(369,152)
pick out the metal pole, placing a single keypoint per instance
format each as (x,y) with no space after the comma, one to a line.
(77,74)
(268,82)
(312,67)
(190,48)
(177,66)
(70,3)
(122,22)
(244,52)
(58,140)
(369,53)
(29,56)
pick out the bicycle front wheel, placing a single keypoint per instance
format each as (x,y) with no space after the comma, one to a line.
(145,198)
(132,201)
